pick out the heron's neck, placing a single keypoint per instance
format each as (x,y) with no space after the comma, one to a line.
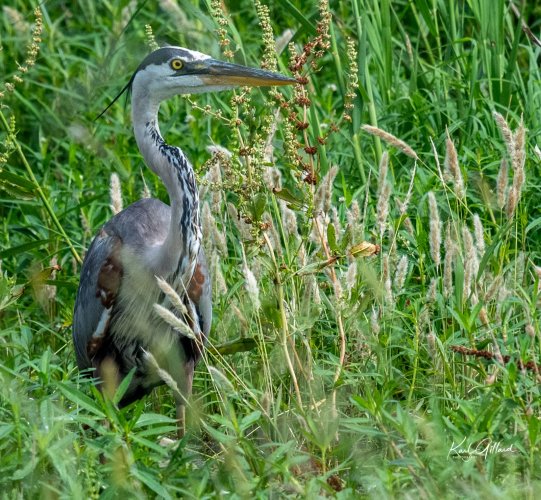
(178,254)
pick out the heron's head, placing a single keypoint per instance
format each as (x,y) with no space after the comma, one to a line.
(170,71)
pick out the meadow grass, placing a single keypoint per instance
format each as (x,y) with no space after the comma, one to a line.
(373,236)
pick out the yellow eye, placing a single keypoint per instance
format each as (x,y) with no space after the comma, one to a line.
(176,64)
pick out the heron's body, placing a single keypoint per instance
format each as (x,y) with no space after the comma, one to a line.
(115,326)
(114,316)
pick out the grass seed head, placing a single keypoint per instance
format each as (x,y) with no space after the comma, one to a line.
(335,218)
(116,194)
(211,231)
(146,191)
(337,286)
(448,262)
(271,231)
(323,196)
(175,13)
(219,280)
(501,184)
(452,166)
(250,284)
(16,19)
(172,295)
(243,227)
(520,268)
(383,168)
(483,316)
(432,291)
(50,290)
(382,209)
(302,257)
(512,201)
(519,151)
(273,178)
(391,140)
(353,217)
(493,288)
(519,176)
(471,263)
(312,294)
(386,278)
(289,219)
(163,374)
(351,275)
(214,178)
(431,345)
(506,132)
(174,321)
(401,274)
(375,321)
(435,229)
(479,235)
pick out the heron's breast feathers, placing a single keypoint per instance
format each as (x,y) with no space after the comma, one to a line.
(128,290)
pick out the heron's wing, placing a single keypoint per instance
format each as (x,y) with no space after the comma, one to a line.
(100,281)
(141,224)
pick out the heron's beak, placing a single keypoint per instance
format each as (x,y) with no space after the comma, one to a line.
(214,72)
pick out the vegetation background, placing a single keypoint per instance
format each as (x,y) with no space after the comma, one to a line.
(376,288)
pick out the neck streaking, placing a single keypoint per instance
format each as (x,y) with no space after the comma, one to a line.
(176,257)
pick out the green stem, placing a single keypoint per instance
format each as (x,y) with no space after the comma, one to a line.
(40,192)
(283,316)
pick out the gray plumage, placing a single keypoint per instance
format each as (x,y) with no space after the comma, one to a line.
(115,325)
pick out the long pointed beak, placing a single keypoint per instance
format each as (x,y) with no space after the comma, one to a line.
(214,72)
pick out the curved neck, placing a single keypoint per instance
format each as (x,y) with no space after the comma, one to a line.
(178,253)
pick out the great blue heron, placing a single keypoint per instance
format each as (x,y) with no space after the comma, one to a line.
(114,324)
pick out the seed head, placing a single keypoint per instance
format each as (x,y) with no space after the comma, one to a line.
(471,264)
(479,235)
(351,275)
(386,278)
(382,209)
(392,140)
(435,229)
(172,295)
(250,283)
(450,251)
(506,132)
(401,274)
(116,194)
(383,168)
(375,321)
(501,184)
(451,165)
(289,219)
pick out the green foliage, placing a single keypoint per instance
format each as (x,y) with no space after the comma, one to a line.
(362,334)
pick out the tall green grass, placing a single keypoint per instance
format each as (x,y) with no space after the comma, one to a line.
(341,306)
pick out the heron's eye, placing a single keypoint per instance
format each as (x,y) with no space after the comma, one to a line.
(176,64)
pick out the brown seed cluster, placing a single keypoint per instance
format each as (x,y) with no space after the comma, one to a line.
(316,48)
(465,351)
(302,152)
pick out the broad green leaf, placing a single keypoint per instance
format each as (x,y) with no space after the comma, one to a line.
(81,399)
